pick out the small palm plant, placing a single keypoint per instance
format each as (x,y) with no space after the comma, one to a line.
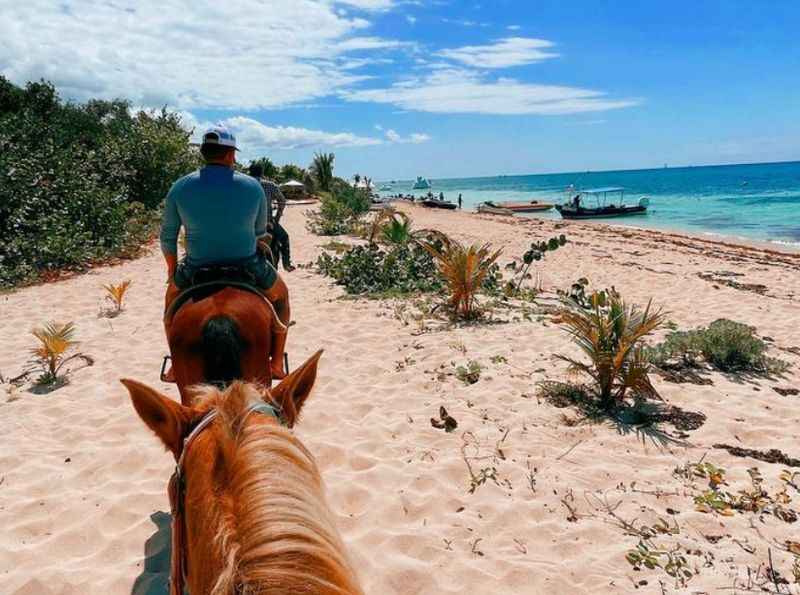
(55,340)
(116,294)
(610,334)
(391,226)
(464,269)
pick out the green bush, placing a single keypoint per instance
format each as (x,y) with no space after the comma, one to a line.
(370,270)
(340,212)
(727,345)
(80,182)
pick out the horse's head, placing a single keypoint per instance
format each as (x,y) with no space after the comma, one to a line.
(243,481)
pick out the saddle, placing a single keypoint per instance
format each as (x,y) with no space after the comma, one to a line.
(208,280)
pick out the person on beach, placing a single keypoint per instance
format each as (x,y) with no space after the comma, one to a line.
(276,203)
(459,200)
(224,213)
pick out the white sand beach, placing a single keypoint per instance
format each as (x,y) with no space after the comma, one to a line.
(83,501)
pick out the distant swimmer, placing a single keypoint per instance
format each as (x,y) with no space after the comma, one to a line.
(745,183)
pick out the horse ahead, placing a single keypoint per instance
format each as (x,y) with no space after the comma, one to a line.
(224,334)
(249,514)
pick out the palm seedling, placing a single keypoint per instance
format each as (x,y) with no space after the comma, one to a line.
(116,294)
(391,226)
(463,268)
(610,334)
(55,340)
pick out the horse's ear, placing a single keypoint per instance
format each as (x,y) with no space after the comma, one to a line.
(169,420)
(293,390)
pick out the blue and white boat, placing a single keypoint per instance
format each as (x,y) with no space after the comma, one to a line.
(421,184)
(608,203)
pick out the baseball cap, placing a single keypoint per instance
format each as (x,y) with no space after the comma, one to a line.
(219,135)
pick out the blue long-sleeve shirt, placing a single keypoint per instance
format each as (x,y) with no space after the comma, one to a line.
(222,211)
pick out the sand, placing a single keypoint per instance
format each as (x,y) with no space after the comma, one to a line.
(83,504)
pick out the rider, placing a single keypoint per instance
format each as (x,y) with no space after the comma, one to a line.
(223,213)
(280,239)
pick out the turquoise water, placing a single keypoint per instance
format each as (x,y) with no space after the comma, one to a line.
(756,202)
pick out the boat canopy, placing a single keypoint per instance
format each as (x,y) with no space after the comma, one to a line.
(603,190)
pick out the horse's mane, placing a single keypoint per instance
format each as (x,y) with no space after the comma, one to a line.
(279,535)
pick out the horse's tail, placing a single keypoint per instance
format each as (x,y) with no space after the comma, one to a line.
(222,350)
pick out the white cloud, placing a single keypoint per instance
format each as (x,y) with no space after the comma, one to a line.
(256,138)
(512,51)
(368,4)
(411,19)
(242,55)
(465,91)
(513,27)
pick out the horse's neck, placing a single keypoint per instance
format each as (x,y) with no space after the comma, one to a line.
(283,533)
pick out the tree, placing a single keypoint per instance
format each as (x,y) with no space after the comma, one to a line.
(291,171)
(322,169)
(270,169)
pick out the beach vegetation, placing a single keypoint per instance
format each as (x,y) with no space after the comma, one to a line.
(610,334)
(116,294)
(340,212)
(470,373)
(391,227)
(80,183)
(322,170)
(521,270)
(56,340)
(464,269)
(370,270)
(726,345)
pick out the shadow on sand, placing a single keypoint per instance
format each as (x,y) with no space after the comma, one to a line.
(154,579)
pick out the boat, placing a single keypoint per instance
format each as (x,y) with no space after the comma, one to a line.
(385,188)
(490,208)
(605,207)
(435,203)
(533,206)
(421,184)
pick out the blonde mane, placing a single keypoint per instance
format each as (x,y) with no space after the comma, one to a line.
(279,535)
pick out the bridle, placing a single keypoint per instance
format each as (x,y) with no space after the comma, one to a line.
(177,493)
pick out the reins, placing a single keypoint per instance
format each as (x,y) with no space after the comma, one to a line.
(177,487)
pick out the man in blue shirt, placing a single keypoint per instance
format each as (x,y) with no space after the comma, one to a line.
(224,213)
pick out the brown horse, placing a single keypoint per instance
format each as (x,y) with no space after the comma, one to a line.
(248,506)
(229,334)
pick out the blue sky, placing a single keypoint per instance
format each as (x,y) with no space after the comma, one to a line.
(399,88)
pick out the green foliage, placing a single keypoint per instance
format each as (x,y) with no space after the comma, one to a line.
(469,374)
(535,253)
(79,182)
(727,345)
(340,212)
(271,171)
(322,169)
(401,269)
(610,334)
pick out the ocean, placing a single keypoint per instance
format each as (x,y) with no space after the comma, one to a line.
(754,202)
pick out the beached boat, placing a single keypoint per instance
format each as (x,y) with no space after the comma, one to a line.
(435,203)
(533,206)
(490,208)
(604,207)
(421,184)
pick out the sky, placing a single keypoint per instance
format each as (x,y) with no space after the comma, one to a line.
(438,88)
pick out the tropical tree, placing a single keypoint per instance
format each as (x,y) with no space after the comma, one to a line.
(610,334)
(270,169)
(322,170)
(290,171)
(464,269)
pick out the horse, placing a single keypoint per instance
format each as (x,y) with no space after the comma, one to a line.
(249,513)
(222,334)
